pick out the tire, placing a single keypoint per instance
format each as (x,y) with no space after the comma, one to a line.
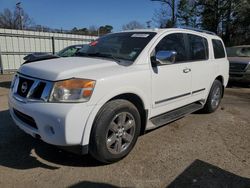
(214,97)
(115,131)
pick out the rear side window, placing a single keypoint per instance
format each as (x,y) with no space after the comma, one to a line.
(198,47)
(173,42)
(219,51)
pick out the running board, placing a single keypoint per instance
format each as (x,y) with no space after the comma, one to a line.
(173,115)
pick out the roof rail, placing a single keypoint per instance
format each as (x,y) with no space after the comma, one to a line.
(198,30)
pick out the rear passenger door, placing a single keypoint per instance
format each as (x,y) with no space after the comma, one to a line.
(201,68)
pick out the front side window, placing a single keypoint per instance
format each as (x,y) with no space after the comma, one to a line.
(123,47)
(173,42)
(219,51)
(198,48)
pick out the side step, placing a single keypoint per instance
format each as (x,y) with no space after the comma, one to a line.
(174,115)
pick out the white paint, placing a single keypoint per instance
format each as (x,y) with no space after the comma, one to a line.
(73,122)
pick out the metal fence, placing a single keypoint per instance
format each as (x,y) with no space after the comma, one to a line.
(15,44)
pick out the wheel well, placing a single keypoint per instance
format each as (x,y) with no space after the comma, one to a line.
(137,101)
(220,78)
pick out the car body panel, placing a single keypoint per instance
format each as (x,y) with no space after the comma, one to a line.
(113,79)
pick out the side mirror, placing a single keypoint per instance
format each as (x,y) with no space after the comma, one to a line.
(165,57)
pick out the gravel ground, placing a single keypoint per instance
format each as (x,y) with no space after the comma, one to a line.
(200,150)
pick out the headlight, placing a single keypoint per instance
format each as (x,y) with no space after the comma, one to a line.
(72,90)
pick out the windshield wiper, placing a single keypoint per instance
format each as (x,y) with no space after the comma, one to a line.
(105,56)
(110,56)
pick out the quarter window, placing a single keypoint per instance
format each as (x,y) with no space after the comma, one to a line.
(173,42)
(219,51)
(198,48)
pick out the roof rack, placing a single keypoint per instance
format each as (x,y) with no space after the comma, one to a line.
(198,30)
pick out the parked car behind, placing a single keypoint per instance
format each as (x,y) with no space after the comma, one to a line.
(66,52)
(239,59)
(71,50)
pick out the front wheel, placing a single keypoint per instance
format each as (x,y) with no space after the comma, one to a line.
(214,97)
(115,131)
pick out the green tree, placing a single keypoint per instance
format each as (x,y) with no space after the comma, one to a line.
(239,27)
(228,18)
(187,14)
(105,29)
(212,14)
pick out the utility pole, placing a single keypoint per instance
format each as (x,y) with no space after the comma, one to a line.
(19,8)
(148,24)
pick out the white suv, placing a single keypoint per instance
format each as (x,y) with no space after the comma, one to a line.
(123,85)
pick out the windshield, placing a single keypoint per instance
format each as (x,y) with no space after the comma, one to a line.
(238,52)
(118,46)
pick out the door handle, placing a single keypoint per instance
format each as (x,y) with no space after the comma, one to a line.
(186,70)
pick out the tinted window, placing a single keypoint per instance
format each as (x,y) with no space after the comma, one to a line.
(218,49)
(198,48)
(173,42)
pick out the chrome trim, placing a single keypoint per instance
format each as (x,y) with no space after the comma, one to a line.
(248,66)
(199,90)
(44,95)
(172,98)
(32,88)
(14,90)
(47,91)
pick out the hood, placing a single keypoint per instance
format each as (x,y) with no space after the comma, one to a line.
(64,68)
(239,59)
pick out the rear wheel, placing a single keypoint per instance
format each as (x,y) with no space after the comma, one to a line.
(115,131)
(214,97)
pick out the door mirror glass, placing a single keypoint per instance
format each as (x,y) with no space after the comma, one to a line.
(166,57)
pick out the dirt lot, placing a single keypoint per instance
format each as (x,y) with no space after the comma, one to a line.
(211,150)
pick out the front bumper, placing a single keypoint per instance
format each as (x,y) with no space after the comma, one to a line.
(60,124)
(243,77)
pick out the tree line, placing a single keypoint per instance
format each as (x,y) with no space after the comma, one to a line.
(230,19)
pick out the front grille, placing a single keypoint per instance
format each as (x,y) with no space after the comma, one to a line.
(24,86)
(31,89)
(25,118)
(238,67)
(37,93)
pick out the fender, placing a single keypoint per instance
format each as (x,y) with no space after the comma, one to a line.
(89,123)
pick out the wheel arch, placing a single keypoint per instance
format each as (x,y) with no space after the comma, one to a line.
(139,104)
(221,79)
(135,98)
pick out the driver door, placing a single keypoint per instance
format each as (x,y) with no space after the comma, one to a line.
(171,83)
